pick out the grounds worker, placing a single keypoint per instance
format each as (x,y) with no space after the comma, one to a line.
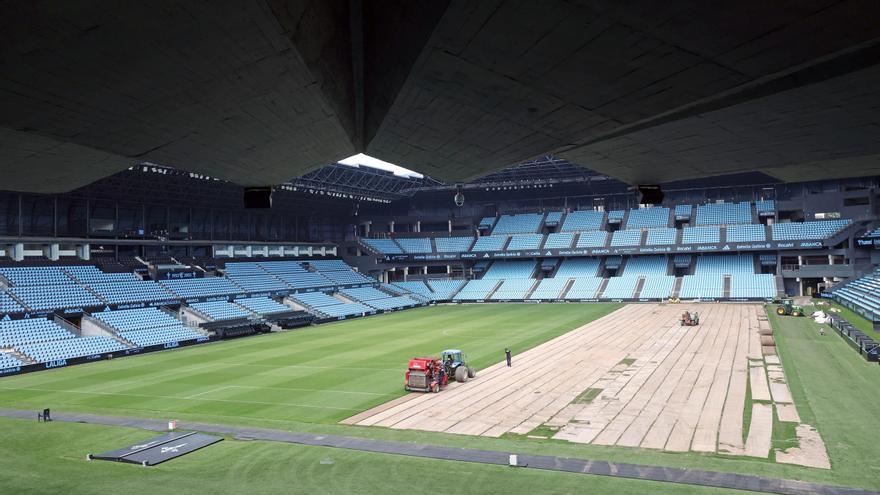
(507,355)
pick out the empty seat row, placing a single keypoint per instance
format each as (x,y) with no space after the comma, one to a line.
(262,305)
(221,310)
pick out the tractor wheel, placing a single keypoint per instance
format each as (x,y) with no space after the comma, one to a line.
(780,311)
(435,388)
(471,372)
(461,374)
(795,313)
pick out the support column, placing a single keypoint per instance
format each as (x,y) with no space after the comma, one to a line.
(391,226)
(53,251)
(85,252)
(405,273)
(418,225)
(18,251)
(425,270)
(450,227)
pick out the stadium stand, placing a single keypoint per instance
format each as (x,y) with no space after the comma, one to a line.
(383,246)
(525,241)
(582,220)
(592,239)
(415,244)
(487,222)
(700,235)
(683,212)
(328,306)
(801,231)
(765,207)
(661,236)
(583,288)
(559,240)
(861,294)
(476,290)
(8,304)
(445,289)
(490,243)
(514,289)
(55,350)
(648,217)
(17,332)
(8,361)
(746,233)
(510,269)
(220,310)
(417,287)
(578,268)
(262,306)
(616,216)
(60,296)
(549,288)
(626,238)
(553,218)
(752,286)
(453,244)
(525,223)
(202,287)
(724,214)
(131,292)
(145,327)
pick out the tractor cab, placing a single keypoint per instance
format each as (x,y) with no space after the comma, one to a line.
(456,365)
(453,358)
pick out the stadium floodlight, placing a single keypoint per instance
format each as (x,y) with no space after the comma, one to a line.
(459,195)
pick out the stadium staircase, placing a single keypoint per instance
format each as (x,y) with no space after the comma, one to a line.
(853,229)
(725,291)
(433,244)
(780,287)
(679,233)
(565,289)
(643,238)
(601,290)
(722,233)
(494,289)
(638,290)
(532,289)
(676,287)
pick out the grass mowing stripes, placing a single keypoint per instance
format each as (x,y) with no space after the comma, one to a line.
(321,374)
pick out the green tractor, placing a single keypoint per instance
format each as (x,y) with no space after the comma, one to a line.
(456,365)
(789,308)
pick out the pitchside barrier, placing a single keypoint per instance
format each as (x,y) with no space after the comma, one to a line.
(60,363)
(861,343)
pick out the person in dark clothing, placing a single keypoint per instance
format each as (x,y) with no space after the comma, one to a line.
(507,355)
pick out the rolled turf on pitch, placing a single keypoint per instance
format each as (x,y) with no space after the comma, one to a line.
(321,374)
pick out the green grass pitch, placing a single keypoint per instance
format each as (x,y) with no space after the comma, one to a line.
(307,380)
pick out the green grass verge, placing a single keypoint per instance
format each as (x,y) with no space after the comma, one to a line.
(50,458)
(317,375)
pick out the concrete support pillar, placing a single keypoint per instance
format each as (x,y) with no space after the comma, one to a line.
(425,270)
(391,226)
(418,225)
(52,251)
(18,251)
(450,226)
(448,269)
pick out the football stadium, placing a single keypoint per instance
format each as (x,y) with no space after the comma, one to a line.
(280,246)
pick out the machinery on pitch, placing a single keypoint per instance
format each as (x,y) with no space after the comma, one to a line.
(789,308)
(456,365)
(425,374)
(690,319)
